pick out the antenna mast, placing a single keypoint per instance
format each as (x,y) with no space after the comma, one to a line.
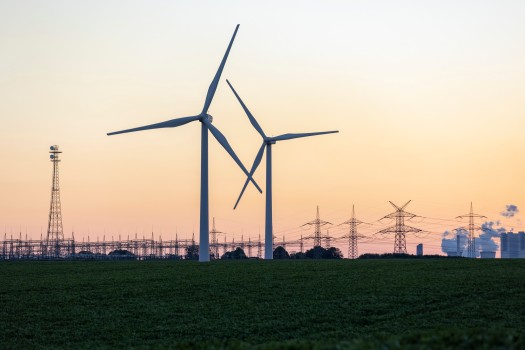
(55,234)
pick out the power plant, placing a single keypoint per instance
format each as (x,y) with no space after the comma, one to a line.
(513,245)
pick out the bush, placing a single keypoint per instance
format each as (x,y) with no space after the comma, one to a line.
(280,253)
(322,253)
(237,254)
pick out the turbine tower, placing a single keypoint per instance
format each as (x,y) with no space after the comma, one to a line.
(400,229)
(55,234)
(471,241)
(267,143)
(206,124)
(353,236)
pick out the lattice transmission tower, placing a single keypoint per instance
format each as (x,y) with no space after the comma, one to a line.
(471,240)
(317,223)
(214,241)
(353,236)
(55,233)
(400,229)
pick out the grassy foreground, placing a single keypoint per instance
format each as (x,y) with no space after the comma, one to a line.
(393,304)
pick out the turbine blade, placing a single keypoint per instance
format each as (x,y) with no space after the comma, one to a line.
(296,136)
(222,140)
(250,116)
(256,163)
(215,81)
(167,124)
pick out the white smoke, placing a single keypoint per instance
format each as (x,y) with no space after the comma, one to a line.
(490,230)
(510,211)
(449,241)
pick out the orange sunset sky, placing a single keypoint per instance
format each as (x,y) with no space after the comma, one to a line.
(428,98)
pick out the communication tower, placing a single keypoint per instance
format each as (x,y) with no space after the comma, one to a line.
(55,234)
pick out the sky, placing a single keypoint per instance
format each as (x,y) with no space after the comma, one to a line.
(427,97)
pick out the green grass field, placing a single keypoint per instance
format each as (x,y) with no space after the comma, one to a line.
(455,303)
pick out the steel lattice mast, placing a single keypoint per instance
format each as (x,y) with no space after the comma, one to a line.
(55,234)
(214,240)
(353,222)
(317,224)
(400,229)
(471,241)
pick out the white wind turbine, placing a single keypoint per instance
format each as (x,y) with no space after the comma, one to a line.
(206,123)
(267,143)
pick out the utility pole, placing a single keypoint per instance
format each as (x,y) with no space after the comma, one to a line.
(471,240)
(400,229)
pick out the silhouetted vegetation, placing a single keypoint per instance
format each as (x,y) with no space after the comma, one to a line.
(85,252)
(401,256)
(237,254)
(173,257)
(121,254)
(322,253)
(192,252)
(280,253)
(298,255)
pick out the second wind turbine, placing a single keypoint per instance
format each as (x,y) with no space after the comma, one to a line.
(267,143)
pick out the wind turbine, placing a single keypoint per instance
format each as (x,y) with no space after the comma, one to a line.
(206,123)
(267,143)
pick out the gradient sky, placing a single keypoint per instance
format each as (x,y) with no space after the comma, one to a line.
(428,97)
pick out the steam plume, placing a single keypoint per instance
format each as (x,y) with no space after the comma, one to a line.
(510,211)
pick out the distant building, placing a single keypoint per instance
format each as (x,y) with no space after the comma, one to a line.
(419,249)
(452,253)
(487,255)
(459,252)
(512,245)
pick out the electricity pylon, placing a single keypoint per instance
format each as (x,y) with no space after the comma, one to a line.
(214,240)
(471,241)
(400,229)
(317,224)
(353,222)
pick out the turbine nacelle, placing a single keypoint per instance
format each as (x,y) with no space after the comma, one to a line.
(207,117)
